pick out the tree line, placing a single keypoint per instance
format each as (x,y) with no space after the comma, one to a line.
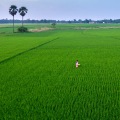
(4,21)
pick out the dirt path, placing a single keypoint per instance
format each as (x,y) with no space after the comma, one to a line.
(40,29)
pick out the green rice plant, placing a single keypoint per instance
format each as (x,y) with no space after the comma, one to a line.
(43,83)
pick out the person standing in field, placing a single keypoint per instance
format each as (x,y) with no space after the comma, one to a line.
(77,64)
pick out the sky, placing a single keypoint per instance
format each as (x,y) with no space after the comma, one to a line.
(63,9)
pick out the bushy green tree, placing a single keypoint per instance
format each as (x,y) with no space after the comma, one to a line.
(53,25)
(22,29)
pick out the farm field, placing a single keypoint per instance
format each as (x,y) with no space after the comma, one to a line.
(39,80)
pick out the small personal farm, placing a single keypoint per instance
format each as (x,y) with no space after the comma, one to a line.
(39,80)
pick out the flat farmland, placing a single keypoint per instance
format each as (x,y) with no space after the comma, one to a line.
(39,80)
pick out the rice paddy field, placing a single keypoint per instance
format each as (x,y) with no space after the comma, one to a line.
(39,80)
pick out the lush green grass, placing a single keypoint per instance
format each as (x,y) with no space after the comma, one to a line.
(43,83)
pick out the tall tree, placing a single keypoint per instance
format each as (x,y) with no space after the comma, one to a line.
(13,11)
(23,11)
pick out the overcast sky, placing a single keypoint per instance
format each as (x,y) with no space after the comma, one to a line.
(63,9)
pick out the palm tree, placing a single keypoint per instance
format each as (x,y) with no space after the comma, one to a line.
(23,11)
(13,11)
